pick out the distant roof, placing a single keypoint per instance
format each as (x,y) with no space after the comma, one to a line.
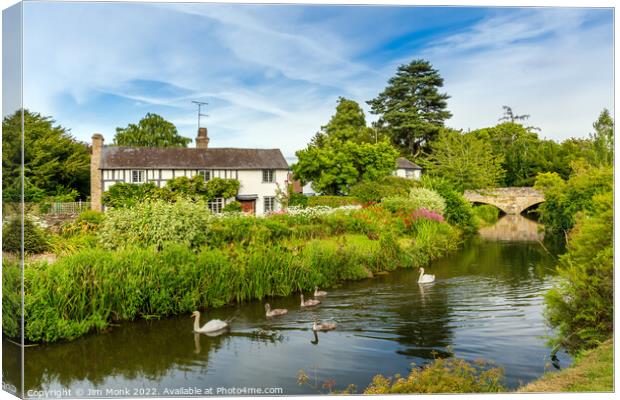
(403,163)
(117,157)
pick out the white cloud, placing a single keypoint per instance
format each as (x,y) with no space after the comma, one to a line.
(272,74)
(549,65)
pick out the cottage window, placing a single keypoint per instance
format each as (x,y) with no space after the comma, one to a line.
(269,204)
(206,175)
(137,176)
(216,205)
(268,175)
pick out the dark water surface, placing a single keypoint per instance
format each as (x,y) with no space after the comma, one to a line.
(486,303)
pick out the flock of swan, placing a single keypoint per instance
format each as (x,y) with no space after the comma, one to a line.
(217,325)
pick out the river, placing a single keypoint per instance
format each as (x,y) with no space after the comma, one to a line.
(486,303)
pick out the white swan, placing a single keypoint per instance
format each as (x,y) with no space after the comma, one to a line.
(425,278)
(323,326)
(309,303)
(319,293)
(211,326)
(275,312)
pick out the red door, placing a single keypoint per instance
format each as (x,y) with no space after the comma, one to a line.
(248,206)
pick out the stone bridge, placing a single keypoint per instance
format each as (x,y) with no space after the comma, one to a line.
(511,200)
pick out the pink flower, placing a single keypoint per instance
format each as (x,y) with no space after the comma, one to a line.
(427,214)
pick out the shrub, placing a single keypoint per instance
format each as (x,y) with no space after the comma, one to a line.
(398,204)
(580,305)
(563,199)
(130,194)
(331,201)
(458,210)
(196,189)
(155,223)
(233,206)
(35,239)
(372,192)
(297,200)
(87,222)
(429,199)
(451,375)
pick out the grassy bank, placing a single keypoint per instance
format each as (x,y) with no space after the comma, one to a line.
(592,371)
(96,286)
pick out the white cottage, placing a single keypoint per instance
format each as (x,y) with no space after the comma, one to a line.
(259,171)
(407,169)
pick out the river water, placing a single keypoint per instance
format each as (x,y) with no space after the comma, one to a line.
(486,303)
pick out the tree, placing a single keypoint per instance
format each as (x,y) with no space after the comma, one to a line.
(347,124)
(334,168)
(344,152)
(55,163)
(411,110)
(519,149)
(151,131)
(564,199)
(580,305)
(463,160)
(603,139)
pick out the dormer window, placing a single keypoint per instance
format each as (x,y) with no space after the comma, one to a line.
(269,175)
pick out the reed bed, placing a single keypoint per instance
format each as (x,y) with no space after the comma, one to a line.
(89,290)
(233,259)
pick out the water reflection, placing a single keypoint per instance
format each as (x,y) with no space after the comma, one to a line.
(486,303)
(514,228)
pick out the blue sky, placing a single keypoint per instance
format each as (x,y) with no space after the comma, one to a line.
(272,74)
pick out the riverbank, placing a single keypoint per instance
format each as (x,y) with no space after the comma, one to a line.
(593,371)
(96,287)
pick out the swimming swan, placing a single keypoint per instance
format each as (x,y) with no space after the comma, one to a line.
(323,326)
(319,293)
(309,303)
(275,312)
(425,278)
(211,326)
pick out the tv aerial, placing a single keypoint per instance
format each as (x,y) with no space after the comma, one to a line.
(200,104)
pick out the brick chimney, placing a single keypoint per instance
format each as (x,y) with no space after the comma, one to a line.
(202,140)
(95,172)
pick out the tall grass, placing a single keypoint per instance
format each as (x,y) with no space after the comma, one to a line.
(94,287)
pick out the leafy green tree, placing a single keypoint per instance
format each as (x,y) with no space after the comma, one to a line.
(55,163)
(347,124)
(411,109)
(463,160)
(333,169)
(151,131)
(519,149)
(580,306)
(344,153)
(564,199)
(603,140)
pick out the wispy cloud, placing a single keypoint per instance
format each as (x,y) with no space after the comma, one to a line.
(272,74)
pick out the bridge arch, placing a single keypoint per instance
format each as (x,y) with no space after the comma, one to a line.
(511,200)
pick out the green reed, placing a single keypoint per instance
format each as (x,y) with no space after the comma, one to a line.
(93,287)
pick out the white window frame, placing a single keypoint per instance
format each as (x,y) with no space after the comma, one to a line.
(269,204)
(216,205)
(141,174)
(271,175)
(206,174)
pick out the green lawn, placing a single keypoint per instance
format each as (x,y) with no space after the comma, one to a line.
(592,372)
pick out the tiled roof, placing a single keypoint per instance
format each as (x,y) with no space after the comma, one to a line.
(403,163)
(116,157)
